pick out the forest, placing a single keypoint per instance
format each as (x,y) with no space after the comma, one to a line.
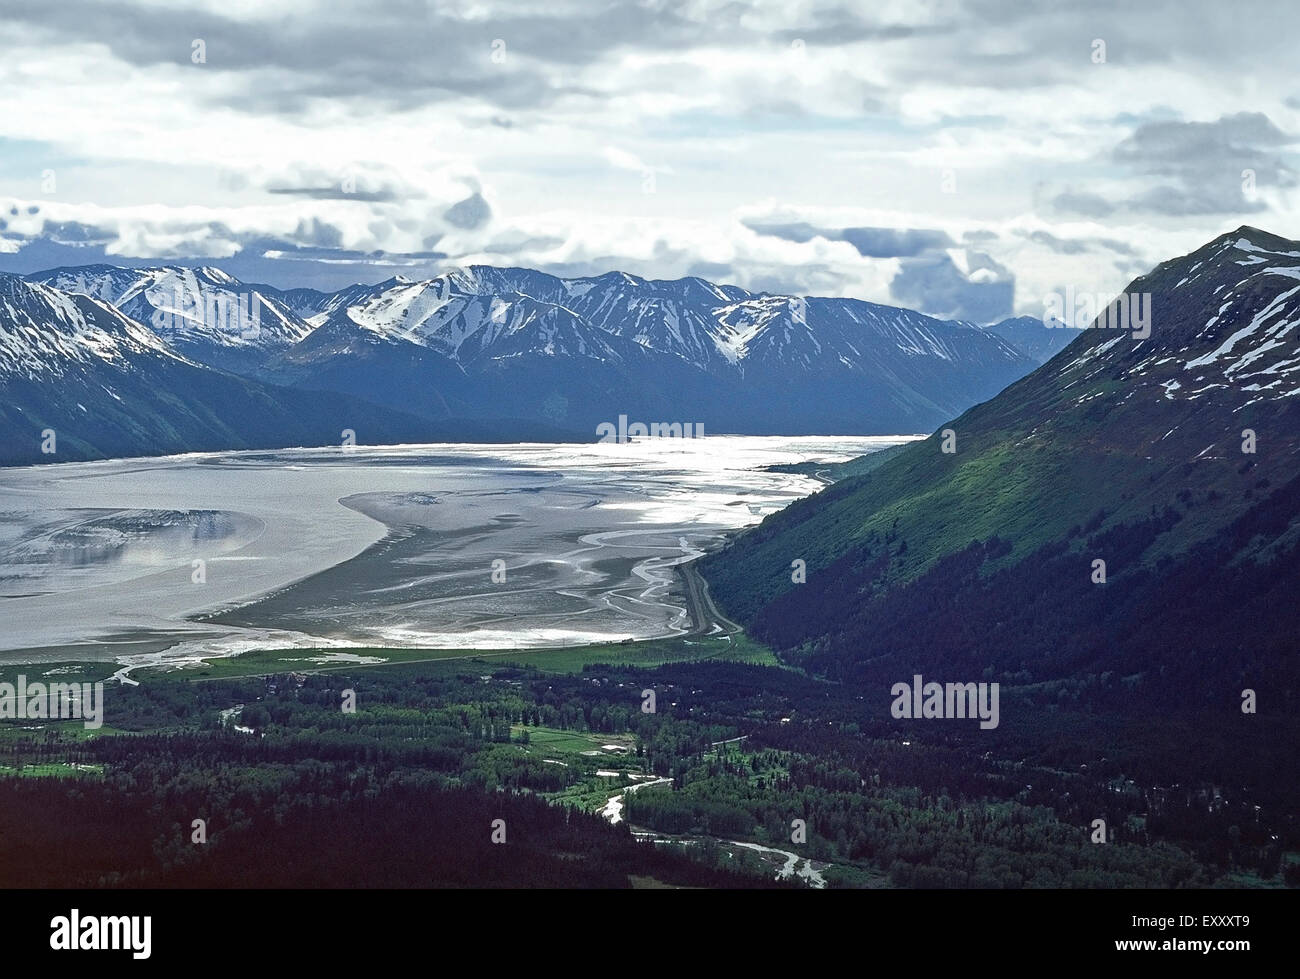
(408,790)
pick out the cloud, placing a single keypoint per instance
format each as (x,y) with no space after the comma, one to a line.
(331,243)
(315,217)
(1207,163)
(1176,201)
(893,242)
(869,242)
(1076,245)
(983,291)
(1082,202)
(400,53)
(1175,168)
(472,212)
(805,141)
(924,274)
(623,159)
(1172,148)
(358,180)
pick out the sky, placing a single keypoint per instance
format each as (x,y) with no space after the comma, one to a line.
(961,158)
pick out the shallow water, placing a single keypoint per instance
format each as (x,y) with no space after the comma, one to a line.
(214,553)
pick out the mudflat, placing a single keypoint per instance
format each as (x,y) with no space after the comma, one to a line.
(471,546)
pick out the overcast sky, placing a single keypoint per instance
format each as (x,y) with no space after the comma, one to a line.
(963,158)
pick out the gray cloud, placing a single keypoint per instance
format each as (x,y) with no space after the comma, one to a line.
(928,279)
(843,24)
(1085,203)
(514,243)
(796,231)
(934,284)
(370,183)
(1199,168)
(711,98)
(869,242)
(1077,246)
(472,212)
(894,242)
(717,272)
(333,192)
(1205,162)
(1060,245)
(1170,147)
(404,53)
(1183,201)
(63,232)
(298,258)
(399,52)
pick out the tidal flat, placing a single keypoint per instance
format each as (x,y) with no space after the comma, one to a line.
(457,546)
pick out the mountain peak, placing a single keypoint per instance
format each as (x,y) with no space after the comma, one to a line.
(1259,239)
(1250,231)
(614,275)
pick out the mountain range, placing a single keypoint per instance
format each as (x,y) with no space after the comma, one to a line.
(478,353)
(79,379)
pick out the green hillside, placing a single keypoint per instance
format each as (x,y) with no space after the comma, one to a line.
(1122,449)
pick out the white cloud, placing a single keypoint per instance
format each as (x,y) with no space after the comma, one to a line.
(833,115)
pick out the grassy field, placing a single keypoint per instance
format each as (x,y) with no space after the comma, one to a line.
(567,659)
(56,769)
(20,729)
(73,729)
(551,742)
(57,672)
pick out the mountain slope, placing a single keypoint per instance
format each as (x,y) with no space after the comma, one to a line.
(107,386)
(204,313)
(979,564)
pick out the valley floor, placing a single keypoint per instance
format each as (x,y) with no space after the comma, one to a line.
(745,773)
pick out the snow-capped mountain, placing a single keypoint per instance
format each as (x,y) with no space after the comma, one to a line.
(202,312)
(531,355)
(1222,336)
(509,343)
(49,335)
(521,343)
(682,318)
(79,379)
(1251,281)
(314,306)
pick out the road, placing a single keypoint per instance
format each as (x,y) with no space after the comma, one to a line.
(708,620)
